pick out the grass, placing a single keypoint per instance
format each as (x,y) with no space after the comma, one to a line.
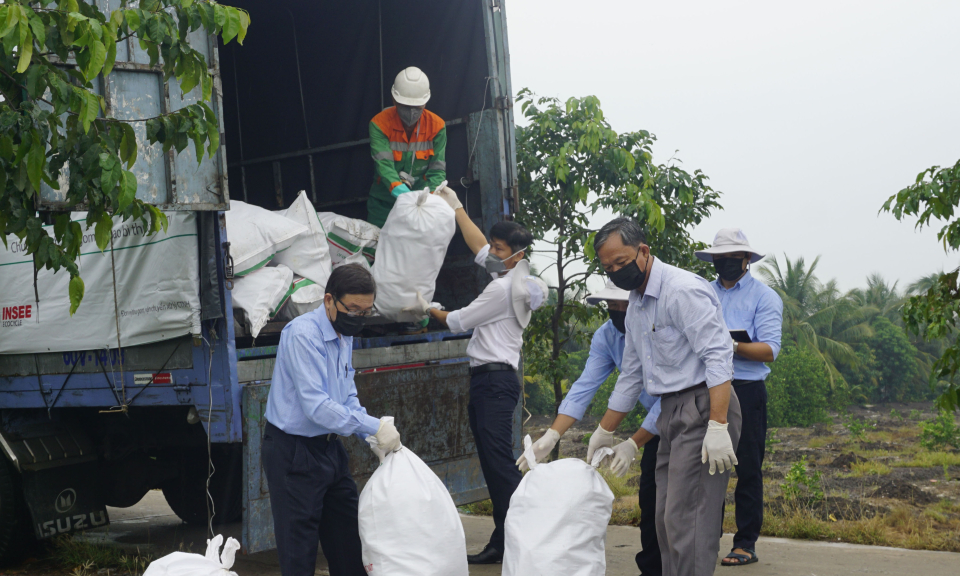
(928,459)
(880,436)
(618,486)
(85,558)
(821,441)
(868,468)
(481,508)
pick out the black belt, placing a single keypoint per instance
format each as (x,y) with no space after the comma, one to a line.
(743,382)
(491,367)
(684,391)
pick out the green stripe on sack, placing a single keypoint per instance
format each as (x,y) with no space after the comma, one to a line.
(255,267)
(338,240)
(294,286)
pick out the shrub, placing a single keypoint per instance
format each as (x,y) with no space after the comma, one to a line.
(858,428)
(599,406)
(941,431)
(798,482)
(797,389)
(538,396)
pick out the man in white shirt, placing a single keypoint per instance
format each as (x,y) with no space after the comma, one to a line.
(497,318)
(678,348)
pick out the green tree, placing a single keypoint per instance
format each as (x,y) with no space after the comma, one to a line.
(570,163)
(899,377)
(52,121)
(885,298)
(934,314)
(798,387)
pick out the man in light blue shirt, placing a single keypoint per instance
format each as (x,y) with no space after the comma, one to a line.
(755,309)
(606,353)
(312,401)
(678,348)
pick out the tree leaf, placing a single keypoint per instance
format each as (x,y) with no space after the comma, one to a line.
(13,17)
(206,86)
(128,146)
(26,48)
(35,160)
(111,58)
(98,55)
(89,110)
(133,20)
(232,24)
(128,190)
(103,231)
(244,24)
(39,30)
(76,293)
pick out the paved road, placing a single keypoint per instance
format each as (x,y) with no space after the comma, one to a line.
(152,524)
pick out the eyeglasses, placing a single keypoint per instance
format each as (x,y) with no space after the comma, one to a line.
(354,313)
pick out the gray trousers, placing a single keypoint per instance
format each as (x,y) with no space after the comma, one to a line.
(689,499)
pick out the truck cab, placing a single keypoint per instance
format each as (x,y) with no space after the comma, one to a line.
(83,429)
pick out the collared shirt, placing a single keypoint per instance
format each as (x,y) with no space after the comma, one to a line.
(606,353)
(497,334)
(676,338)
(755,307)
(313,392)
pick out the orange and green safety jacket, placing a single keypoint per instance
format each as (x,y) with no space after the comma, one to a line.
(422,156)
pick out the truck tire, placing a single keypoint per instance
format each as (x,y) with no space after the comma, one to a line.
(187,494)
(16,536)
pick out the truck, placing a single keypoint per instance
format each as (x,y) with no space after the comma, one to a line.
(81,430)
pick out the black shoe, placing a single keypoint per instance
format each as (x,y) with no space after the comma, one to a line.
(490,555)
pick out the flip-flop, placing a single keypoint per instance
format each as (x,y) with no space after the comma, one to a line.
(741,559)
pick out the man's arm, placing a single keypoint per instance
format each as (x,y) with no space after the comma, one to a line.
(491,305)
(440,315)
(696,312)
(310,374)
(769,322)
(437,168)
(471,233)
(599,366)
(383,158)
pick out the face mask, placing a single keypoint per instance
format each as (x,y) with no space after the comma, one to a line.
(495,265)
(729,269)
(409,115)
(618,317)
(347,324)
(630,277)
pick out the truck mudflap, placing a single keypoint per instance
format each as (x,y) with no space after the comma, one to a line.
(64,499)
(429,404)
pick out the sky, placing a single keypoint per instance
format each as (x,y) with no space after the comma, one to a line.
(806,116)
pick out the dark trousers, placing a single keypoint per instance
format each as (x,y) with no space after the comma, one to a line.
(314,498)
(493,399)
(648,559)
(749,494)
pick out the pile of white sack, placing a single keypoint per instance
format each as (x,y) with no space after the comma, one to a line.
(282,259)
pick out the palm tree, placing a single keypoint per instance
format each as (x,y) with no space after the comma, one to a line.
(884,297)
(817,316)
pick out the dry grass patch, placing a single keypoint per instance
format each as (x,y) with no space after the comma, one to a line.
(928,459)
(868,468)
(821,441)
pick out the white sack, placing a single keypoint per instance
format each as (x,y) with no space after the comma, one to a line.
(259,295)
(303,296)
(557,521)
(213,563)
(157,280)
(413,243)
(408,522)
(350,240)
(256,235)
(309,255)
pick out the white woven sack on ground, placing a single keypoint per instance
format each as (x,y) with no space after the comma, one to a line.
(259,295)
(413,243)
(557,521)
(213,563)
(304,296)
(256,235)
(308,255)
(408,522)
(350,240)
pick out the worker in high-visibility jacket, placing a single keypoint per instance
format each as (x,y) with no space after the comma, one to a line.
(405,138)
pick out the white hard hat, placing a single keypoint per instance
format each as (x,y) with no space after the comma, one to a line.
(527,292)
(411,87)
(729,240)
(609,292)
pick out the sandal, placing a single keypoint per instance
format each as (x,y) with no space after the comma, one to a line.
(741,559)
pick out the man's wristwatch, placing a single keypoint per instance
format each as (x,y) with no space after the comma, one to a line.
(735,346)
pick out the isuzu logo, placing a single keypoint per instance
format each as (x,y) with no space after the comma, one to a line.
(65,500)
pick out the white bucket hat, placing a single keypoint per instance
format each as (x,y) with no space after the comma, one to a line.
(729,240)
(528,292)
(609,292)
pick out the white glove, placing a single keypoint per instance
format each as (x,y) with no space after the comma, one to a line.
(388,439)
(718,448)
(599,439)
(624,454)
(449,196)
(541,448)
(422,307)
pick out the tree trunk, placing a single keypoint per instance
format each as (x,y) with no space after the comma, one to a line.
(555,329)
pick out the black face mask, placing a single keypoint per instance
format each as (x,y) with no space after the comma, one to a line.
(729,269)
(630,277)
(618,317)
(347,324)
